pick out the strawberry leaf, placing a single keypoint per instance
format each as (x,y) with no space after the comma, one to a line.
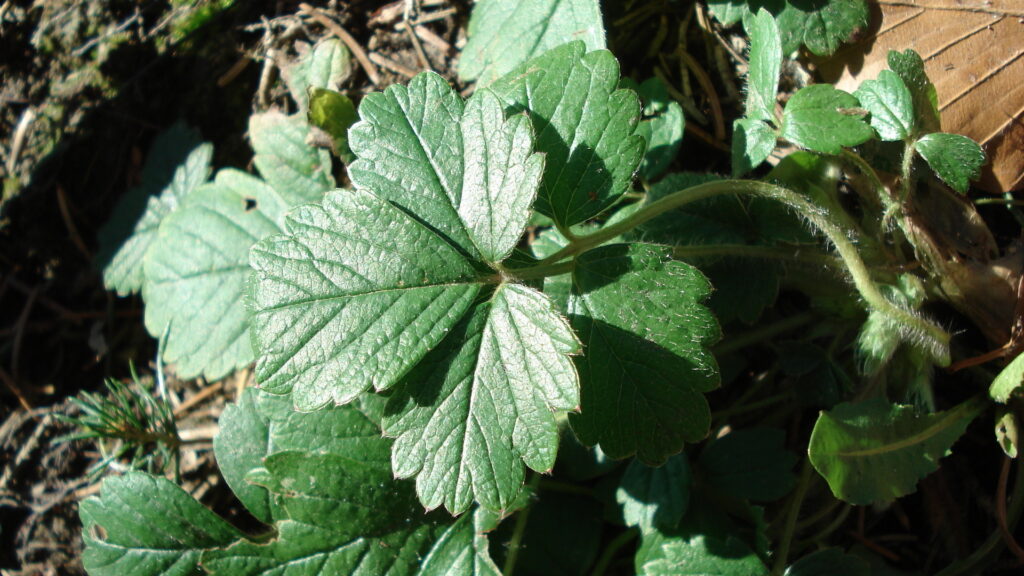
(401,286)
(954,158)
(643,376)
(752,143)
(655,497)
(765,64)
(503,35)
(823,119)
(891,106)
(584,126)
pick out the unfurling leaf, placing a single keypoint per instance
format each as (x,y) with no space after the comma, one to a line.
(891,106)
(765,65)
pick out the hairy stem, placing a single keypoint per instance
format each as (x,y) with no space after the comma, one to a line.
(936,337)
(516,542)
(782,557)
(612,550)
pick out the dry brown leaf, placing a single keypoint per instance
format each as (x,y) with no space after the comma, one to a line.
(974,53)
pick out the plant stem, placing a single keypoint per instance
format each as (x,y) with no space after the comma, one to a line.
(779,566)
(565,488)
(542,271)
(518,530)
(762,333)
(817,216)
(742,408)
(812,257)
(612,550)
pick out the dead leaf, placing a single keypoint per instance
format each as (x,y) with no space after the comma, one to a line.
(974,54)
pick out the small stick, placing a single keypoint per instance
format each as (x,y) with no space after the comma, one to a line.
(12,385)
(65,212)
(27,117)
(434,16)
(428,36)
(203,394)
(417,46)
(709,90)
(384,62)
(345,37)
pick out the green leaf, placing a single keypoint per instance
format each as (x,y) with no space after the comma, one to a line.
(128,233)
(462,549)
(655,497)
(703,556)
(662,128)
(823,119)
(333,113)
(822,26)
(329,321)
(875,451)
(324,67)
(562,536)
(241,444)
(1009,381)
(483,400)
(197,271)
(470,174)
(503,35)
(891,106)
(765,64)
(296,170)
(752,463)
(910,68)
(584,126)
(752,143)
(829,562)
(954,158)
(643,377)
(151,528)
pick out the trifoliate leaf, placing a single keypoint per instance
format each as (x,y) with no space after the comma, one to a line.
(820,26)
(368,290)
(752,463)
(133,225)
(875,451)
(704,555)
(296,170)
(584,126)
(150,527)
(1009,381)
(891,106)
(823,119)
(910,68)
(829,562)
(333,113)
(646,365)
(483,400)
(662,128)
(752,143)
(324,67)
(503,35)
(472,175)
(655,497)
(954,158)
(197,271)
(765,64)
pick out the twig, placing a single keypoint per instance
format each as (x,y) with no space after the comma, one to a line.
(1011,542)
(195,399)
(709,90)
(27,117)
(20,332)
(384,62)
(410,31)
(12,385)
(65,213)
(345,37)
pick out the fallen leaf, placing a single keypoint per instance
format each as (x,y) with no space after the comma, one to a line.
(974,54)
